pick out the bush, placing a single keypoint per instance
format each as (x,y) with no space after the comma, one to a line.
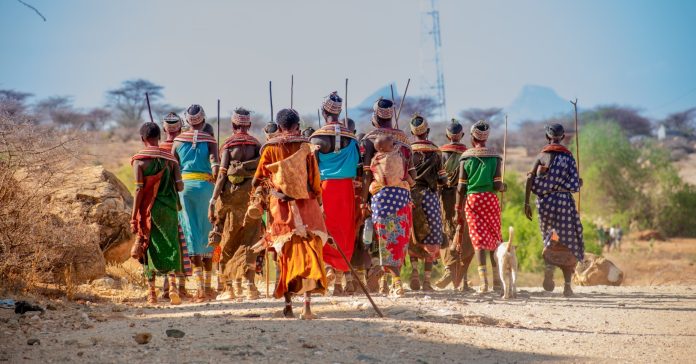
(36,245)
(624,184)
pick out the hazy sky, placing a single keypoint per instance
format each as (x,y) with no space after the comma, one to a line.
(630,52)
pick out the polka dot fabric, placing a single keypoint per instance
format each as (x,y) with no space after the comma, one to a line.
(433,212)
(556,206)
(483,218)
(392,219)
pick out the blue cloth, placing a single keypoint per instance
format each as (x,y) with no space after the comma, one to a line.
(556,205)
(193,216)
(195,198)
(194,159)
(433,213)
(341,164)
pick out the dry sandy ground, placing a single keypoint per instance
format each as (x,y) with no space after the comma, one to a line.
(600,324)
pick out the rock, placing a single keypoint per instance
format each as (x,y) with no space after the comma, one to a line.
(34,341)
(142,338)
(597,270)
(104,282)
(177,334)
(97,198)
(649,235)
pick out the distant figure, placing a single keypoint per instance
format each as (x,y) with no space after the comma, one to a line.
(616,235)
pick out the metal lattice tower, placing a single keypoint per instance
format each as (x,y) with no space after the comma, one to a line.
(432,74)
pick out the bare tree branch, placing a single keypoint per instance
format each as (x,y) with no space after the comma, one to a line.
(33,8)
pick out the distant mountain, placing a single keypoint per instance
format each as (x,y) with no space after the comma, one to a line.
(537,103)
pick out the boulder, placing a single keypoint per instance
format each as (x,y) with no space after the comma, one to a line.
(647,235)
(96,197)
(597,271)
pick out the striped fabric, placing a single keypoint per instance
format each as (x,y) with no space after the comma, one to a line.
(186,260)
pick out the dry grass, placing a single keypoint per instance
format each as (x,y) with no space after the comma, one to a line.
(130,272)
(36,245)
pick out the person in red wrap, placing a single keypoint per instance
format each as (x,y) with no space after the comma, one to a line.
(338,156)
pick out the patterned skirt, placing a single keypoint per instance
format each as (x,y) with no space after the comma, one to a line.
(557,213)
(185,259)
(391,215)
(483,218)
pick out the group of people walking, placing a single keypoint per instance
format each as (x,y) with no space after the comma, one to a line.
(323,201)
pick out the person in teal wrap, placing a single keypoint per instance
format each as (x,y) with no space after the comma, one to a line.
(197,153)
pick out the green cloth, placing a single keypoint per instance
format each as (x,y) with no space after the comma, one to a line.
(164,251)
(480,172)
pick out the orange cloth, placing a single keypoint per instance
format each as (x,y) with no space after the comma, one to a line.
(282,217)
(301,267)
(301,261)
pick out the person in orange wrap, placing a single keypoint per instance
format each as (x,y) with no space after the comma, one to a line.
(288,169)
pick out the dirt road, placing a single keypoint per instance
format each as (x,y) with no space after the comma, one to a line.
(600,324)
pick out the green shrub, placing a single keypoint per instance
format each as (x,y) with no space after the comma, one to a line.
(125,175)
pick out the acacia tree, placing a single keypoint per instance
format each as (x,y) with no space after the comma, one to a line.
(13,103)
(475,114)
(128,101)
(96,118)
(683,121)
(628,118)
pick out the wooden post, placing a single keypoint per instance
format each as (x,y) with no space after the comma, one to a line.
(149,109)
(502,194)
(292,90)
(270,94)
(394,107)
(577,145)
(345,103)
(268,272)
(218,123)
(401,104)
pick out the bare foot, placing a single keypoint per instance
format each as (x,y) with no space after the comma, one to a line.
(307,315)
(174,298)
(287,312)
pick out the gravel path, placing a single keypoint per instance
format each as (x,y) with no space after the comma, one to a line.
(600,324)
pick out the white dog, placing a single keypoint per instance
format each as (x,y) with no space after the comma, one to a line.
(507,267)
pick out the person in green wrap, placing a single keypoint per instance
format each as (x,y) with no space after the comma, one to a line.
(154,219)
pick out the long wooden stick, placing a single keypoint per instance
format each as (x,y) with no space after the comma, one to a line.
(319,117)
(149,109)
(268,273)
(218,123)
(270,94)
(345,102)
(394,107)
(577,145)
(401,104)
(355,275)
(502,194)
(292,90)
